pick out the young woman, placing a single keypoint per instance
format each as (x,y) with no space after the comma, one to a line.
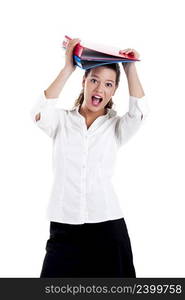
(88,233)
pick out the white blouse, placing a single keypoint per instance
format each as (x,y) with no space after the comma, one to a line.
(84,159)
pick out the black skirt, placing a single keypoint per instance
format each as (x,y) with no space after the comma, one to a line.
(88,250)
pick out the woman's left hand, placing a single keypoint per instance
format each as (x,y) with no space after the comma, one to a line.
(132,52)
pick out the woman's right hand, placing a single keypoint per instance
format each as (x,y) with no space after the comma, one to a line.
(69,65)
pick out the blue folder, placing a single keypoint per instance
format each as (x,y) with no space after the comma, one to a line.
(89,64)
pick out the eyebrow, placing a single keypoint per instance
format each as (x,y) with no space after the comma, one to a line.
(99,77)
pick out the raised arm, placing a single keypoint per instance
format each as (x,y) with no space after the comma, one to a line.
(55,88)
(44,113)
(57,85)
(134,84)
(129,123)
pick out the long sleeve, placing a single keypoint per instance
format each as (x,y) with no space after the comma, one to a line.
(49,119)
(128,124)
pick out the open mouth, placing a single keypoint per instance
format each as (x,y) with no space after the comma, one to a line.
(96,100)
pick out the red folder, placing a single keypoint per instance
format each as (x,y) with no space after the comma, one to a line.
(92,51)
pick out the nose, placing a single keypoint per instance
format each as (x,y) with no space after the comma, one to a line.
(99,88)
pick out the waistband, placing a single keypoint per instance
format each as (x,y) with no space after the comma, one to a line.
(110,227)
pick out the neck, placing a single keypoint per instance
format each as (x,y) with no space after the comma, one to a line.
(88,114)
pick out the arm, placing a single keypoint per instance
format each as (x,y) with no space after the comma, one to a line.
(44,112)
(134,84)
(56,87)
(129,123)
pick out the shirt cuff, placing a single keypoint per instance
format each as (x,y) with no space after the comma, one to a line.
(43,101)
(138,107)
(42,104)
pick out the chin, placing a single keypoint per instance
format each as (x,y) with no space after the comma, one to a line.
(94,108)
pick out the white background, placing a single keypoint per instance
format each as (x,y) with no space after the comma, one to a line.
(149,177)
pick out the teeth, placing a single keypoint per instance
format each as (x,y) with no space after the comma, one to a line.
(97,98)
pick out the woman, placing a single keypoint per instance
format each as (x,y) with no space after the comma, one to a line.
(88,233)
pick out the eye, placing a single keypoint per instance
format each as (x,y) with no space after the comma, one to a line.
(109,84)
(93,80)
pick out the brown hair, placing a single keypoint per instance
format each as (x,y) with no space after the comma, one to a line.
(116,68)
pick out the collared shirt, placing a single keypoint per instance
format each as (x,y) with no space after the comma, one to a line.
(84,159)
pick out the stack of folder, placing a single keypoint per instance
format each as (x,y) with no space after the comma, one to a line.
(90,55)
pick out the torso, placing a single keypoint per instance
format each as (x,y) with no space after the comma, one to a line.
(89,122)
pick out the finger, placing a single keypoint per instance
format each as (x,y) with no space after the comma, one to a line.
(129,52)
(74,41)
(72,45)
(122,51)
(126,49)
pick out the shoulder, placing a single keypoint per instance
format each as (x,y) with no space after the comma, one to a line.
(112,113)
(65,112)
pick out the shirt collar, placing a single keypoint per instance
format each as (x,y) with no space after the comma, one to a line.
(110,112)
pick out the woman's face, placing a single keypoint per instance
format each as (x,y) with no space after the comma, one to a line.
(99,86)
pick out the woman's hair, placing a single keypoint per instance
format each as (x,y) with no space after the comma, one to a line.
(116,68)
